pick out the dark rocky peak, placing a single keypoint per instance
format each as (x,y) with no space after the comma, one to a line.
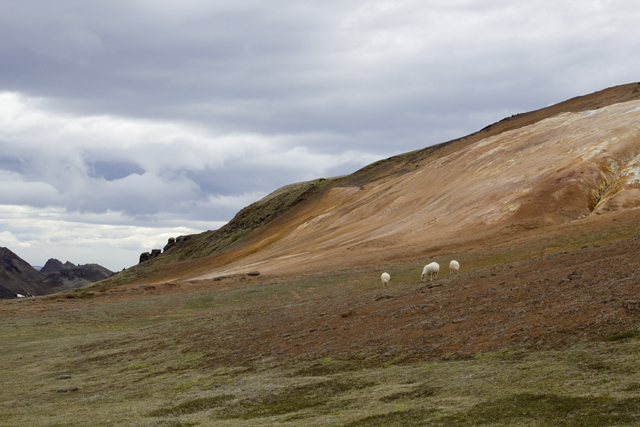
(13,264)
(53,266)
(71,276)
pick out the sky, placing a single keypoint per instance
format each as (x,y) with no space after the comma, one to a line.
(124,123)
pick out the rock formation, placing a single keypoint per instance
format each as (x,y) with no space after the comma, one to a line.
(18,277)
(68,275)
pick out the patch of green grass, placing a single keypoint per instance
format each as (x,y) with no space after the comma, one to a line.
(292,400)
(192,406)
(330,367)
(549,410)
(622,336)
(521,409)
(201,301)
(411,417)
(495,355)
(421,391)
(137,365)
(176,423)
(79,295)
(193,356)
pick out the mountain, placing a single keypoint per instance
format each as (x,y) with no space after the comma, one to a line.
(18,277)
(570,162)
(68,275)
(53,266)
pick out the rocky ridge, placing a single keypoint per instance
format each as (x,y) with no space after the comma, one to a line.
(17,277)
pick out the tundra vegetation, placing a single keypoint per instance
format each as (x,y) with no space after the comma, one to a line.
(278,350)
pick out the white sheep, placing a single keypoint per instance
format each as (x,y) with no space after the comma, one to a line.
(385,279)
(454,266)
(19,296)
(430,269)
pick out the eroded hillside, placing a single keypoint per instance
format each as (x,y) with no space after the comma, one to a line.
(560,164)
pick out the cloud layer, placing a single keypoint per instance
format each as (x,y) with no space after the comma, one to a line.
(161,115)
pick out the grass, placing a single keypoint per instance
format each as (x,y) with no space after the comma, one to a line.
(520,409)
(622,336)
(422,390)
(139,372)
(550,410)
(293,399)
(192,406)
(154,359)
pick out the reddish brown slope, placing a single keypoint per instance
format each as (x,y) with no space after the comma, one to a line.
(547,302)
(550,166)
(553,171)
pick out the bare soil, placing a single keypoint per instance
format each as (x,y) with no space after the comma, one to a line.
(548,302)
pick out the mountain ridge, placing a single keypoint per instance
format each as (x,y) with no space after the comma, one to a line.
(18,277)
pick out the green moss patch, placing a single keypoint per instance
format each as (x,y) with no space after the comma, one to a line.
(522,409)
(192,406)
(412,417)
(292,400)
(421,391)
(622,336)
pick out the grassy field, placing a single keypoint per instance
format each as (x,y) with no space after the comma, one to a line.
(159,355)
(135,362)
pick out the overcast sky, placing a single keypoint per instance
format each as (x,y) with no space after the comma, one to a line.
(124,123)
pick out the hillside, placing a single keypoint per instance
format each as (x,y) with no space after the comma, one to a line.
(559,164)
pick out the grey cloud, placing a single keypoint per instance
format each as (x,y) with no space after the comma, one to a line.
(193,109)
(113,169)
(12,164)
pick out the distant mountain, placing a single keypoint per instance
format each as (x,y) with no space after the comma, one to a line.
(18,277)
(53,266)
(68,275)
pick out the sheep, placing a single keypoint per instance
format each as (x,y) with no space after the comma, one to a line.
(430,269)
(19,296)
(385,279)
(454,266)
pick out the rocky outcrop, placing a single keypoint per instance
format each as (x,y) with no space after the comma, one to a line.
(146,256)
(172,242)
(68,275)
(53,266)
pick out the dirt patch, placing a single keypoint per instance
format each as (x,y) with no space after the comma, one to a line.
(548,302)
